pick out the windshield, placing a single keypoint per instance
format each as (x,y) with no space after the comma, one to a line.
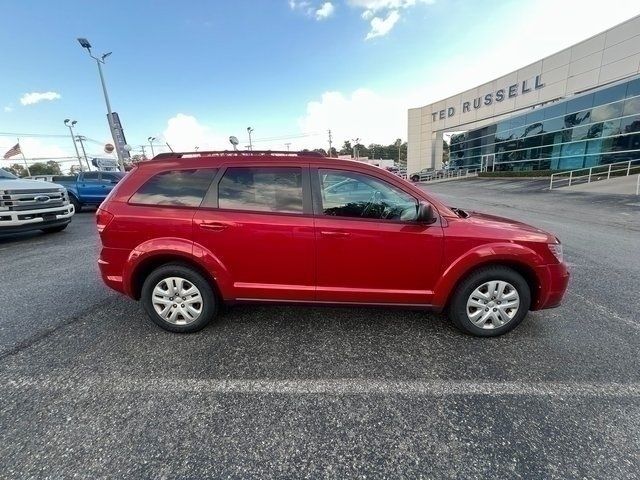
(6,175)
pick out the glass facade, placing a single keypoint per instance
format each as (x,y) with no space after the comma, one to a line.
(585,130)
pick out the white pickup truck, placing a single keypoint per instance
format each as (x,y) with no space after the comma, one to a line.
(32,205)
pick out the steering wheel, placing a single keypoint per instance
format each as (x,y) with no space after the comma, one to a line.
(376,197)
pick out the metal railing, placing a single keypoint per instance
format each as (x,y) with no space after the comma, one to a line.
(447,174)
(592,174)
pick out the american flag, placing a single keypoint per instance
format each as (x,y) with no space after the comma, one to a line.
(15,150)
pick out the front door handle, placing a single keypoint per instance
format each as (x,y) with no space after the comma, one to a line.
(333,233)
(214,226)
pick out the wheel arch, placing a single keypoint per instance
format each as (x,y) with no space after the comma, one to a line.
(142,270)
(522,260)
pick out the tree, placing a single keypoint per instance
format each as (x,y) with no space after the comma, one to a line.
(17,169)
(346,149)
(48,168)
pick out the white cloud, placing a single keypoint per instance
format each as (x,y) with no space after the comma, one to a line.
(8,108)
(325,11)
(37,97)
(184,132)
(377,5)
(364,114)
(304,6)
(374,12)
(380,27)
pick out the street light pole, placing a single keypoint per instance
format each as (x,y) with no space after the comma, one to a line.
(80,138)
(72,123)
(249,130)
(151,139)
(288,145)
(99,61)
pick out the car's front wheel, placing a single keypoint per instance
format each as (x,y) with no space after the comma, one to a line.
(415,178)
(490,302)
(178,298)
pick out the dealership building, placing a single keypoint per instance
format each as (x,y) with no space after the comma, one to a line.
(577,108)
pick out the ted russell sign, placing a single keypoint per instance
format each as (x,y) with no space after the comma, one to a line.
(489,98)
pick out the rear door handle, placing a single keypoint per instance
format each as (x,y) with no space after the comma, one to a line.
(215,226)
(333,233)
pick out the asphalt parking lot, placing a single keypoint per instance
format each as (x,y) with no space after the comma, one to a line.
(90,388)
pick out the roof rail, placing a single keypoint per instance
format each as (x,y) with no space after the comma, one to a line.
(239,153)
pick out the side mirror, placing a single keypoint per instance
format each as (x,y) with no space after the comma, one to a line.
(425,213)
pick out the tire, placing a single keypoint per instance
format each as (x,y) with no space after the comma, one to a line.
(471,294)
(76,204)
(57,229)
(166,279)
(415,178)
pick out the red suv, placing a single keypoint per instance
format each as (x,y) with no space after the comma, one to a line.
(186,232)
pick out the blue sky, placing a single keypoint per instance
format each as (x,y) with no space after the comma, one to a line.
(195,72)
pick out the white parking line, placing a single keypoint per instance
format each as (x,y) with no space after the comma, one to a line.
(606,311)
(342,386)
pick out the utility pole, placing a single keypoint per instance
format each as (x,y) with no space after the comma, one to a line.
(399,147)
(72,123)
(80,138)
(330,139)
(144,154)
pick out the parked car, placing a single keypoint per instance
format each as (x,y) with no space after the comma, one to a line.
(184,233)
(422,175)
(89,188)
(27,205)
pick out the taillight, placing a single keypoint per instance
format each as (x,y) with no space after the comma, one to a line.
(103,219)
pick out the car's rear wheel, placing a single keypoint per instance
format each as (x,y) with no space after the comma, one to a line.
(490,302)
(178,298)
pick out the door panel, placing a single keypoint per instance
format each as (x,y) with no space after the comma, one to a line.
(370,249)
(268,256)
(377,262)
(90,188)
(262,231)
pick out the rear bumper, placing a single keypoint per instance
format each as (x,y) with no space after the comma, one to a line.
(111,263)
(554,280)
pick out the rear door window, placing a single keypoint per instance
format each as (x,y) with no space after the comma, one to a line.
(180,188)
(262,189)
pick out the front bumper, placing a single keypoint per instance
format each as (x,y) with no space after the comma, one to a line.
(554,280)
(28,220)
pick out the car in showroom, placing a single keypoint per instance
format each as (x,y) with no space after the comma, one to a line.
(27,205)
(185,233)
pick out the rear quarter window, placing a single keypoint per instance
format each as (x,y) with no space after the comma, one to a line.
(179,188)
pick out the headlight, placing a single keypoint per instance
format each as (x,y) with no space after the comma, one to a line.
(556,249)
